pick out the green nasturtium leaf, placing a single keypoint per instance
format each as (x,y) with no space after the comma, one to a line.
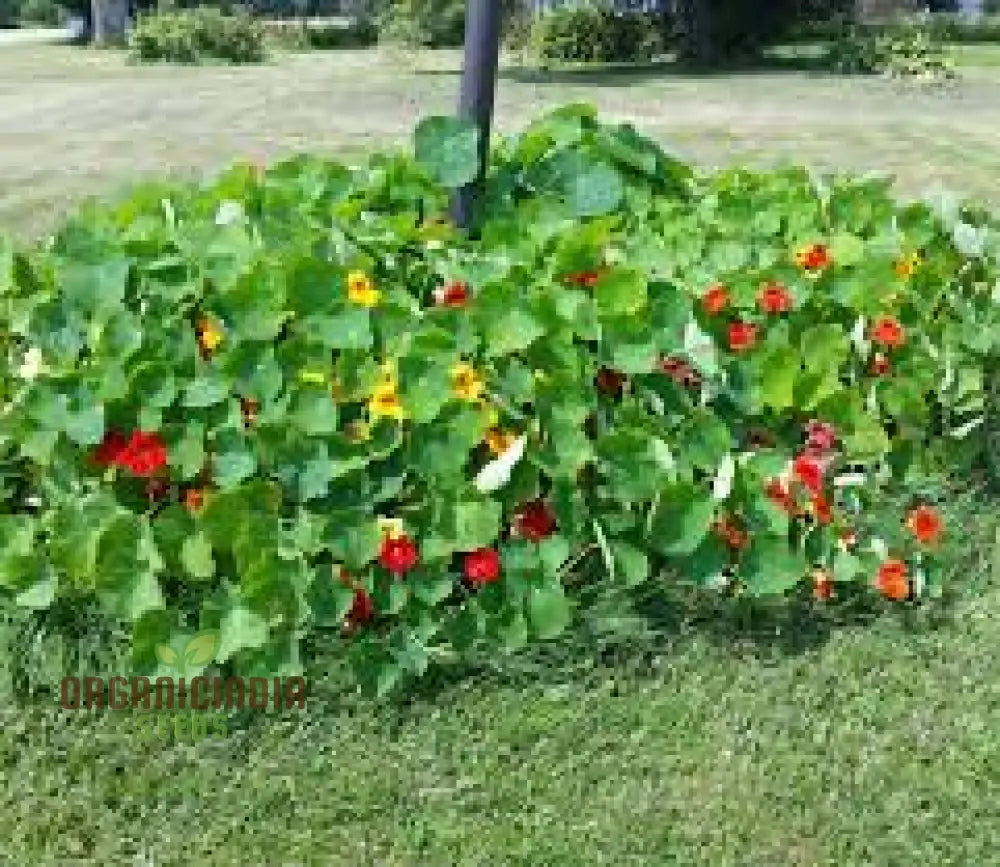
(449,149)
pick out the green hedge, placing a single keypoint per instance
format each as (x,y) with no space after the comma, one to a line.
(297,404)
(594,34)
(197,35)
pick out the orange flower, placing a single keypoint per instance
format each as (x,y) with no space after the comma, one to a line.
(194,499)
(814,257)
(926,524)
(209,335)
(715,299)
(892,582)
(888,332)
(822,585)
(821,509)
(774,298)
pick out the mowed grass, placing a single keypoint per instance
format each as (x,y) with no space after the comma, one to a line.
(723,737)
(75,122)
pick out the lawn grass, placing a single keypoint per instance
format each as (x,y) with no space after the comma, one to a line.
(78,122)
(720,737)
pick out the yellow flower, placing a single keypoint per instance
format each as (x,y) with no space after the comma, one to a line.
(500,441)
(209,335)
(465,382)
(361,289)
(909,266)
(315,377)
(385,403)
(390,528)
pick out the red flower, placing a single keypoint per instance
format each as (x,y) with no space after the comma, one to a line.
(399,555)
(891,580)
(482,566)
(774,298)
(742,336)
(453,295)
(880,364)
(110,449)
(583,279)
(362,609)
(535,521)
(144,454)
(822,585)
(609,381)
(809,472)
(779,493)
(888,332)
(926,524)
(715,299)
(820,436)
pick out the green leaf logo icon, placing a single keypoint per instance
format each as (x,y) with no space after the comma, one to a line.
(201,649)
(166,655)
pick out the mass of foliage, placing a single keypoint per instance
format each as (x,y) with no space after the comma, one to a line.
(594,34)
(299,401)
(198,35)
(911,52)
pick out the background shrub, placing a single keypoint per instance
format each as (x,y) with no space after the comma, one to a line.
(193,36)
(594,33)
(913,51)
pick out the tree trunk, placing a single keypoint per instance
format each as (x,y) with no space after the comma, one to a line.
(109,21)
(699,46)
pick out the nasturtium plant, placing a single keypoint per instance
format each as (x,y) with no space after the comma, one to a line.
(299,399)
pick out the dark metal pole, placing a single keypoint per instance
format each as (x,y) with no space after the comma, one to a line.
(479,81)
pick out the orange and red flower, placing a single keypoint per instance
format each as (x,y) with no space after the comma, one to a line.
(535,521)
(880,364)
(822,585)
(888,332)
(781,495)
(733,535)
(774,298)
(110,449)
(398,555)
(455,294)
(891,580)
(609,381)
(926,523)
(142,454)
(583,279)
(809,471)
(715,299)
(194,500)
(814,257)
(822,510)
(482,566)
(820,436)
(742,336)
